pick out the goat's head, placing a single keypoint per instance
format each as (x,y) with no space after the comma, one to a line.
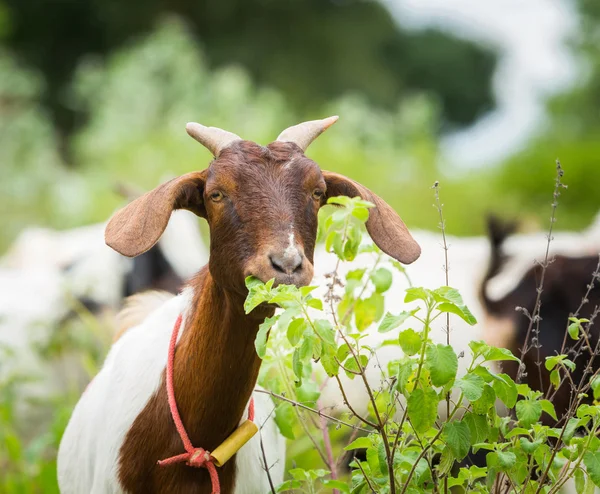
(261,204)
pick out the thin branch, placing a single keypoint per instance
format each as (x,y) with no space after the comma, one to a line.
(365,476)
(318,412)
(438,204)
(266,467)
(347,402)
(328,449)
(534,318)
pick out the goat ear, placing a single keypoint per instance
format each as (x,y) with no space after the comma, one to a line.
(384,225)
(135,228)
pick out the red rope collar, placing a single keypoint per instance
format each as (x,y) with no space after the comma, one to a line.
(193,457)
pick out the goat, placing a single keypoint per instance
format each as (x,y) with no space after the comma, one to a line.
(565,285)
(261,205)
(57,271)
(99,276)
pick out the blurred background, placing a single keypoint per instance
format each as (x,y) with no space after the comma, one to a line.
(94,96)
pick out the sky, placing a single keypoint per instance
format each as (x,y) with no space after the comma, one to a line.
(535,62)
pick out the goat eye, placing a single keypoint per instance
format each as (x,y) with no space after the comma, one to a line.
(317,194)
(216,196)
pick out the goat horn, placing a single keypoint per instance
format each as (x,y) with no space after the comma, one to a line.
(212,138)
(306,132)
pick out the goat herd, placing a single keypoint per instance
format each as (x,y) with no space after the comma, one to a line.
(261,205)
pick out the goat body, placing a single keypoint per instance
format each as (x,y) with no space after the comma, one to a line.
(133,375)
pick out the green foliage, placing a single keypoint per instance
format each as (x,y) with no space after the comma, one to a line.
(411,445)
(31,428)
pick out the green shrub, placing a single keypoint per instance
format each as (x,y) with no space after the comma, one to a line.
(410,446)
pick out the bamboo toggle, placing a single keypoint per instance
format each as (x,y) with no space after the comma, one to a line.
(234,442)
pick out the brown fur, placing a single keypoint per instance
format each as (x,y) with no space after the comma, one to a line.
(216,368)
(265,194)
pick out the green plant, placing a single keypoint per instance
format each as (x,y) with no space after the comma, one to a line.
(424,418)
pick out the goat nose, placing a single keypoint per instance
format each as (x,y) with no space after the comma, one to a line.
(288,261)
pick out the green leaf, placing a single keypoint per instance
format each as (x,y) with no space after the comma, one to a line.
(442,363)
(410,341)
(482,405)
(362,214)
(315,303)
(592,463)
(446,463)
(528,446)
(252,282)
(579,481)
(382,457)
(373,462)
(472,386)
(306,349)
(260,343)
(573,330)
(570,429)
(448,294)
(458,438)
(352,365)
(405,370)
(503,460)
(353,239)
(422,408)
(367,311)
(416,293)
(288,485)
(505,389)
(554,360)
(478,426)
(493,354)
(308,393)
(555,378)
(305,290)
(382,279)
(461,311)
(391,321)
(330,365)
(297,361)
(595,385)
(257,294)
(548,407)
(325,331)
(361,442)
(528,412)
(356,274)
(517,431)
(342,352)
(284,418)
(336,484)
(295,330)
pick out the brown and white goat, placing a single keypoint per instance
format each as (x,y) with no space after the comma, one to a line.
(261,205)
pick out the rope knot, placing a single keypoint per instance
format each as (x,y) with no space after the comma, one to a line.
(198,458)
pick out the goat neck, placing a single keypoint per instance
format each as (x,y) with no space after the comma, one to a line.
(215,371)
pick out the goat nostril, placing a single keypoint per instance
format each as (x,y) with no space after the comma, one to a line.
(276,264)
(299,266)
(286,264)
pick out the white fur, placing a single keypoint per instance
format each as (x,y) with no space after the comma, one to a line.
(89,450)
(291,250)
